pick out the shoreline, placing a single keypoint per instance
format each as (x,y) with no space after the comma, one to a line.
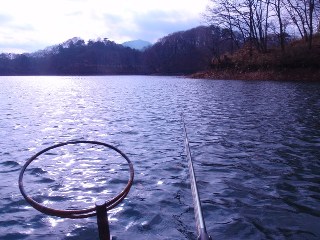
(299,75)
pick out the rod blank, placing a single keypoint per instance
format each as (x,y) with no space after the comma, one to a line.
(201,227)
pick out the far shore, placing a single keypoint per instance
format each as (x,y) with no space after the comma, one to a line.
(276,75)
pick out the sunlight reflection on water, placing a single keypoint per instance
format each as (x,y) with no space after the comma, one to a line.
(255,147)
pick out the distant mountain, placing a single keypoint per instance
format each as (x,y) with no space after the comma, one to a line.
(137,44)
(183,52)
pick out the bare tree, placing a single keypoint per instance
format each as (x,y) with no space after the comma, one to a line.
(254,18)
(317,13)
(303,15)
(222,14)
(277,6)
(311,12)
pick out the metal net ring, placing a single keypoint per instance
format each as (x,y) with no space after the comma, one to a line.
(82,213)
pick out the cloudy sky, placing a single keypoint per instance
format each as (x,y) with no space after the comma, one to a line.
(30,25)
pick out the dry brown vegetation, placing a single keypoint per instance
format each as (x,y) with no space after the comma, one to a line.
(297,62)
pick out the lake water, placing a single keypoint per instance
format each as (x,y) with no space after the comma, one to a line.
(255,144)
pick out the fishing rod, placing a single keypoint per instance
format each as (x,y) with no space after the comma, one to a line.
(201,227)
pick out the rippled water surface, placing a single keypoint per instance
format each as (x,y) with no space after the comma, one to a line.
(256,150)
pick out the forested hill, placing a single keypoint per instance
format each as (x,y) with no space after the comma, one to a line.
(75,57)
(201,49)
(178,53)
(188,51)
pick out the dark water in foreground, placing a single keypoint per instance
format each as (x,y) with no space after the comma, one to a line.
(256,149)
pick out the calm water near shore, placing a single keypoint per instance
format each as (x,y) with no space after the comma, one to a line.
(255,144)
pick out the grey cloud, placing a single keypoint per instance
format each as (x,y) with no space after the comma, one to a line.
(4,18)
(26,47)
(72,14)
(6,21)
(26,27)
(157,24)
(150,26)
(113,19)
(76,1)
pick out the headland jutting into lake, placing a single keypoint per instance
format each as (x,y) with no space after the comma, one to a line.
(297,62)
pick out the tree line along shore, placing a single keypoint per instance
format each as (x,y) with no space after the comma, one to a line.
(244,39)
(182,53)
